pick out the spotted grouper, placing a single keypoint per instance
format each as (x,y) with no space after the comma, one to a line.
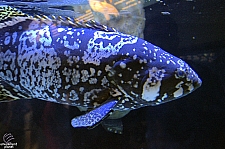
(88,65)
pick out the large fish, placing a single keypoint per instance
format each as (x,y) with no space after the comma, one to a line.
(87,65)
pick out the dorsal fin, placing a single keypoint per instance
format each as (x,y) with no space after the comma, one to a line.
(10,16)
(7,13)
(67,21)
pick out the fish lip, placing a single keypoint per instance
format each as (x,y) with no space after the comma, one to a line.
(199,83)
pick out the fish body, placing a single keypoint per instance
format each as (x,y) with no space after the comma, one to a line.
(105,8)
(94,68)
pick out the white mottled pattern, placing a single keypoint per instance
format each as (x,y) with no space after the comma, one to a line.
(98,50)
(149,93)
(179,91)
(152,85)
(38,64)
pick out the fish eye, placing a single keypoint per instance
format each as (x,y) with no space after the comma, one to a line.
(180,73)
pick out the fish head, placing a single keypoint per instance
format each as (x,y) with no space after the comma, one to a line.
(153,76)
(167,78)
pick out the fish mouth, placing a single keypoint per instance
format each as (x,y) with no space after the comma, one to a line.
(197,83)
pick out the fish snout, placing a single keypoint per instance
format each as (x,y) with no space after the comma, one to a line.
(194,78)
(197,82)
(189,76)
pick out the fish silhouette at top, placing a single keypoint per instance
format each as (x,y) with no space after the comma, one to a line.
(88,65)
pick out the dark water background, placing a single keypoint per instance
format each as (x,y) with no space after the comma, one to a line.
(195,31)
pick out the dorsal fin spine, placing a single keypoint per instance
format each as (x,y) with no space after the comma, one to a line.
(8,13)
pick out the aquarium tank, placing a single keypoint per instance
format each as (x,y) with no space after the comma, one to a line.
(112,74)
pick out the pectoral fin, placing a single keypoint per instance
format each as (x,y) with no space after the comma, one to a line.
(113,125)
(92,118)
